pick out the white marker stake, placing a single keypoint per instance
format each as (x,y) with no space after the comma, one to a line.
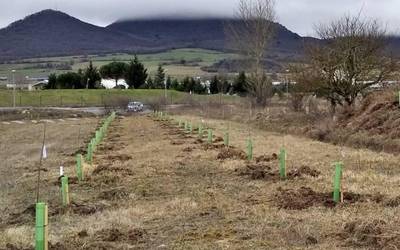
(44,155)
(61,171)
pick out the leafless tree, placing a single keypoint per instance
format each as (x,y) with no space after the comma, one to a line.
(350,58)
(250,34)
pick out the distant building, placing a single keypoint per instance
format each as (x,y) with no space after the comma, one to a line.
(110,83)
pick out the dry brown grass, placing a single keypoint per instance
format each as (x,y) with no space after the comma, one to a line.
(166,197)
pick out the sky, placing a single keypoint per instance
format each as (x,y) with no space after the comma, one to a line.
(300,16)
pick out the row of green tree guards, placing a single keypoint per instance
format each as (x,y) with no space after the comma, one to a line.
(41,221)
(188,128)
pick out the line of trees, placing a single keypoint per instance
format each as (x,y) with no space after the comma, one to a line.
(350,58)
(136,76)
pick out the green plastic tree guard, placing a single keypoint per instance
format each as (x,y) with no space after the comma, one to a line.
(79,171)
(282,163)
(226,139)
(200,130)
(210,136)
(89,156)
(41,227)
(190,127)
(64,191)
(249,149)
(186,126)
(337,182)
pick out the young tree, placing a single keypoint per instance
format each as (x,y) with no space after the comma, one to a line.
(351,59)
(250,34)
(160,77)
(136,73)
(114,70)
(91,76)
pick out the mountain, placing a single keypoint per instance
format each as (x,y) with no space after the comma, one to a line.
(51,33)
(54,33)
(205,33)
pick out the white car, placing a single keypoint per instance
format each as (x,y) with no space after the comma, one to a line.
(135,106)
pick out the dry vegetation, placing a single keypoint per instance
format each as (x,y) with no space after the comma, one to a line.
(154,186)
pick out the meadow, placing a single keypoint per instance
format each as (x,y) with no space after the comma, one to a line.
(178,63)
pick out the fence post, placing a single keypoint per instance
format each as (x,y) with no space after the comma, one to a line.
(41,227)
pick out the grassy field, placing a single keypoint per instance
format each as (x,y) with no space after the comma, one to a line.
(171,58)
(98,97)
(153,186)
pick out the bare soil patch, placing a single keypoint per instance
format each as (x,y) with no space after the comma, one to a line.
(375,234)
(231,153)
(305,197)
(261,171)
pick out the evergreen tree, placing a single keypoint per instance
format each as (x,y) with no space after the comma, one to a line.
(239,85)
(175,85)
(150,83)
(91,76)
(215,82)
(136,73)
(52,82)
(169,82)
(160,77)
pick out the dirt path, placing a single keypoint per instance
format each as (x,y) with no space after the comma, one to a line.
(155,187)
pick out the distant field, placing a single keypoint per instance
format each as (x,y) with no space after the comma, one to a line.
(98,97)
(172,60)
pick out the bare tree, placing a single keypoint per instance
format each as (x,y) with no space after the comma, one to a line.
(350,58)
(250,34)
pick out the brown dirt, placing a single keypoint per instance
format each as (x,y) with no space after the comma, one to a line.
(114,194)
(208,146)
(305,197)
(188,149)
(394,202)
(115,234)
(121,157)
(112,169)
(218,139)
(266,158)
(261,171)
(373,234)
(177,142)
(231,153)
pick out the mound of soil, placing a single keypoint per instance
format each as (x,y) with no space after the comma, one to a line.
(305,197)
(177,142)
(260,171)
(208,146)
(188,149)
(394,202)
(112,169)
(231,153)
(121,157)
(373,234)
(218,139)
(86,209)
(114,194)
(266,158)
(115,234)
